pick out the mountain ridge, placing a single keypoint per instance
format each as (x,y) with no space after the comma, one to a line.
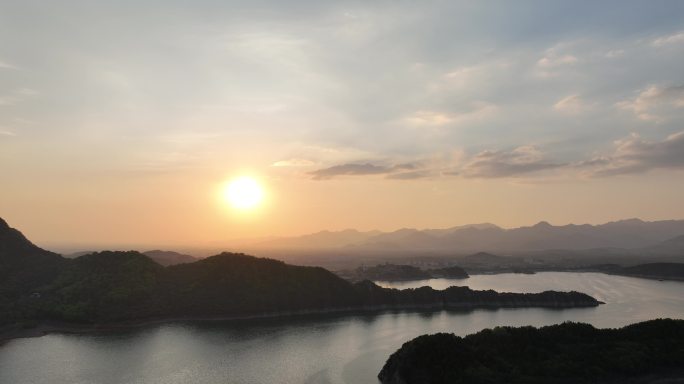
(625,234)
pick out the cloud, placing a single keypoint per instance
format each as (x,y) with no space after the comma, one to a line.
(557,56)
(293,163)
(630,155)
(17,96)
(520,161)
(636,155)
(555,60)
(615,53)
(460,78)
(7,101)
(6,65)
(478,111)
(27,92)
(572,105)
(430,118)
(398,171)
(669,39)
(7,133)
(649,103)
(349,169)
(413,175)
(552,61)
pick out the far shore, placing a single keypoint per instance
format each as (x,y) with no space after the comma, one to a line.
(535,271)
(580,270)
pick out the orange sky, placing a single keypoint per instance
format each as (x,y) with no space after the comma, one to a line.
(187,210)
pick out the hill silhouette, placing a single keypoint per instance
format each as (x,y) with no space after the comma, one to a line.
(23,264)
(109,287)
(166,258)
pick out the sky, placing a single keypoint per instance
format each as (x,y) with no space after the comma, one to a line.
(120,122)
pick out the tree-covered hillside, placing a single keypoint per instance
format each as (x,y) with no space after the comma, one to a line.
(566,353)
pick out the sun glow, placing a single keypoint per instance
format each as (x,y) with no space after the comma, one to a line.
(243,193)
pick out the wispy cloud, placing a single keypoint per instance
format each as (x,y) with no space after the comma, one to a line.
(478,111)
(630,155)
(413,175)
(636,155)
(674,38)
(520,161)
(17,96)
(647,103)
(397,171)
(6,65)
(6,101)
(349,169)
(294,163)
(552,60)
(572,104)
(555,60)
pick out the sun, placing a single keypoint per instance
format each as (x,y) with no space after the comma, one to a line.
(243,193)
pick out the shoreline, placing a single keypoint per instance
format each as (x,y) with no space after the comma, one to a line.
(13,332)
(532,272)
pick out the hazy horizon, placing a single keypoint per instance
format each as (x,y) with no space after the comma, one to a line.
(122,123)
(255,243)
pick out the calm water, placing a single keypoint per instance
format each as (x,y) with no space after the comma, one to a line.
(340,349)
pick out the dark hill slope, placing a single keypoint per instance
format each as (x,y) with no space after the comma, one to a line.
(567,353)
(235,283)
(23,268)
(21,260)
(102,285)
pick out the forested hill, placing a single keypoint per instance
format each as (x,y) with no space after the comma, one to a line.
(111,287)
(560,354)
(23,265)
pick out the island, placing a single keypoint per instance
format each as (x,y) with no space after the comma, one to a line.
(42,290)
(647,352)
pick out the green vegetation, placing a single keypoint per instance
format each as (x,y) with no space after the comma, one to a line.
(567,353)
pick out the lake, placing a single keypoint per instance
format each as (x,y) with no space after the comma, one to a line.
(322,349)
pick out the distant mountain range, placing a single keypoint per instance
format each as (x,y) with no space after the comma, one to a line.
(661,237)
